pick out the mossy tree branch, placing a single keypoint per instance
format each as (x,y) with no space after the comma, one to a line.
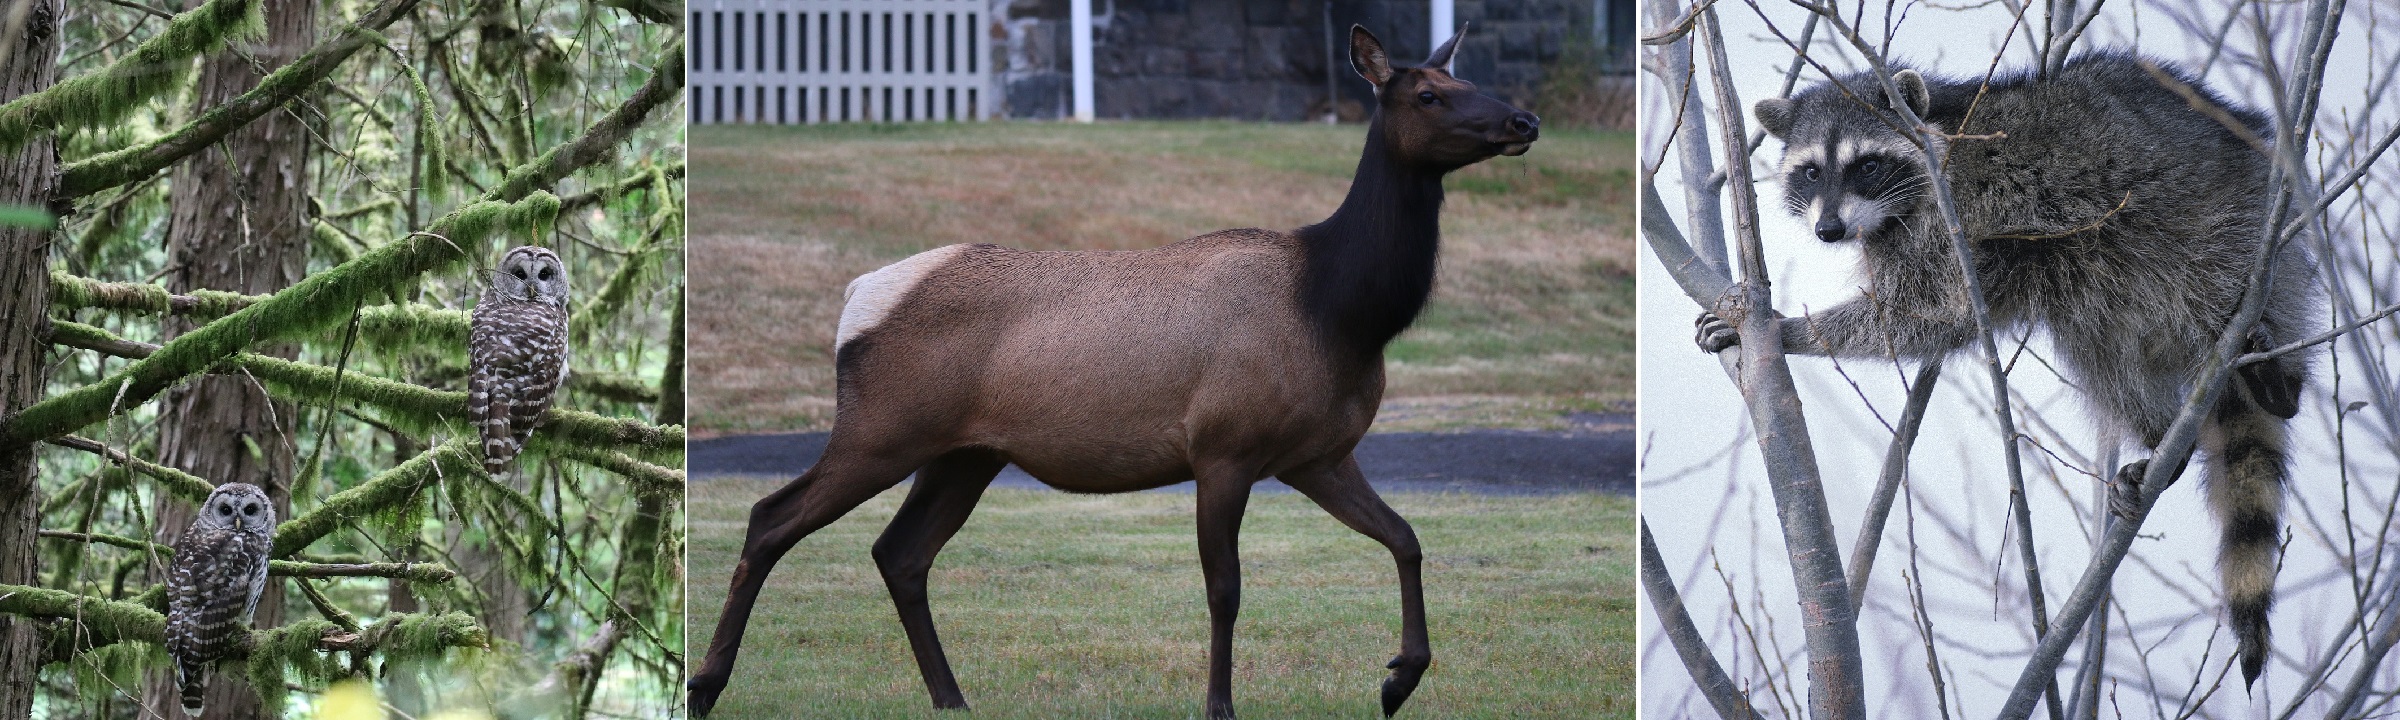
(602,138)
(156,67)
(311,305)
(134,163)
(99,623)
(458,456)
(181,484)
(643,181)
(414,572)
(408,405)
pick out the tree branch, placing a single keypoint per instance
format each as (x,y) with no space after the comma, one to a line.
(414,572)
(112,169)
(1707,674)
(313,304)
(156,67)
(601,139)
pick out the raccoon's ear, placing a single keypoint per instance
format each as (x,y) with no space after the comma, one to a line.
(1912,89)
(1774,114)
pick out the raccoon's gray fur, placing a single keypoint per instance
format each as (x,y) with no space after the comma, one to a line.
(2109,212)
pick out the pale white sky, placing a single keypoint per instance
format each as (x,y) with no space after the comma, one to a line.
(1705,496)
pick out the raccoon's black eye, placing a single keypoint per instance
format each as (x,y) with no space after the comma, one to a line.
(1868,166)
(1428,97)
(1810,172)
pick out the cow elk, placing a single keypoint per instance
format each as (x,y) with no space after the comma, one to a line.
(1226,359)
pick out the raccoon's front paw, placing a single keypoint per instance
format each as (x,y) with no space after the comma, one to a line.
(2125,495)
(1714,334)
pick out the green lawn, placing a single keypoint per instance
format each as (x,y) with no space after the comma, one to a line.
(1076,606)
(1533,316)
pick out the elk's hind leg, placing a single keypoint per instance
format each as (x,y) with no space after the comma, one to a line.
(1344,493)
(850,472)
(946,491)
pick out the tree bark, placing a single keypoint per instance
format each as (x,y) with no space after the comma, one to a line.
(26,178)
(239,223)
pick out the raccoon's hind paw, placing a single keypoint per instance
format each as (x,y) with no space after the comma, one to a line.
(1714,334)
(2125,495)
(2272,387)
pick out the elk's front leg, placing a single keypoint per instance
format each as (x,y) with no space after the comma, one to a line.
(1222,497)
(1344,493)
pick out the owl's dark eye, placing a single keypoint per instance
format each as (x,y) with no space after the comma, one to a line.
(1810,172)
(545,272)
(226,510)
(1428,97)
(250,509)
(519,272)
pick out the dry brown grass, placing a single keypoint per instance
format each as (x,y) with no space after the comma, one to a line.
(1535,302)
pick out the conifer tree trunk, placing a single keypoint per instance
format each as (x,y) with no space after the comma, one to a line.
(29,49)
(240,222)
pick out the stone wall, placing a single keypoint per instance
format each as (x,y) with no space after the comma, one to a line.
(1269,59)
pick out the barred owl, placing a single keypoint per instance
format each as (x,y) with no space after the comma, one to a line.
(220,568)
(517,353)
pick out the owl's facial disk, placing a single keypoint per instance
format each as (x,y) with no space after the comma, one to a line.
(527,277)
(249,510)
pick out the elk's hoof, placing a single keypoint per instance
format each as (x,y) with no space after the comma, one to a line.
(704,689)
(1406,671)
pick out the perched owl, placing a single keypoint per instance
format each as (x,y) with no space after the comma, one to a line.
(517,354)
(220,567)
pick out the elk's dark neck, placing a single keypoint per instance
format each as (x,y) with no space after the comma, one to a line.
(1369,267)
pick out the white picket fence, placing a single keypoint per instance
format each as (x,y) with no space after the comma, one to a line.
(814,61)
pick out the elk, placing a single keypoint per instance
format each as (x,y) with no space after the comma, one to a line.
(1224,359)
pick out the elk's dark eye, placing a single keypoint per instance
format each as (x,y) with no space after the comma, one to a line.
(1809,172)
(225,510)
(250,509)
(1428,97)
(545,272)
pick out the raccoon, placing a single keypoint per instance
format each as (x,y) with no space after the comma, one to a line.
(2104,208)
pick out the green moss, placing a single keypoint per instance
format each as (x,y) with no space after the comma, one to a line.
(289,655)
(313,305)
(133,163)
(456,457)
(408,637)
(156,67)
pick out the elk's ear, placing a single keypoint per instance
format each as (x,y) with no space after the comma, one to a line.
(1912,89)
(1774,114)
(1441,55)
(1366,57)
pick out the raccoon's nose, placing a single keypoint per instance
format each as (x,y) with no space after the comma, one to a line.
(1830,229)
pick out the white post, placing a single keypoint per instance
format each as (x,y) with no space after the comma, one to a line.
(1444,24)
(1079,26)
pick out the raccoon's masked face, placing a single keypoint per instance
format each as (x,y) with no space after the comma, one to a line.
(1845,171)
(1850,190)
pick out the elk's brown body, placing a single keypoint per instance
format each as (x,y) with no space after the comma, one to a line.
(1227,358)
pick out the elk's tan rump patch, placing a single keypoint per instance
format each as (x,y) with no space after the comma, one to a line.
(873,296)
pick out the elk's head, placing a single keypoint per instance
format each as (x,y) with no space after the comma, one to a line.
(1432,119)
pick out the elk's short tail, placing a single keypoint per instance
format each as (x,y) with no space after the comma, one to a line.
(2245,476)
